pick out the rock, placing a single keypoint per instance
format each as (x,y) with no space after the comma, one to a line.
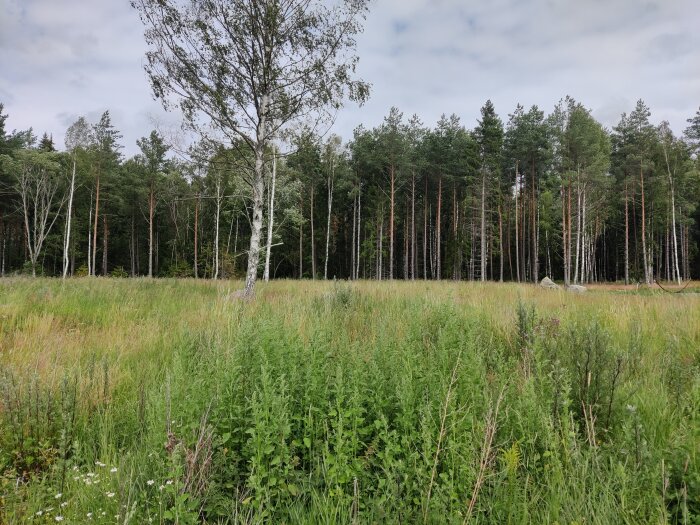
(576,288)
(548,283)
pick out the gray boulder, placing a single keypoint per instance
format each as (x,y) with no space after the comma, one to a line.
(548,283)
(576,288)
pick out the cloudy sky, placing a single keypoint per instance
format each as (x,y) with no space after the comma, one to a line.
(63,58)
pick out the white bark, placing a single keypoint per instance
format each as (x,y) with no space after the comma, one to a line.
(69,215)
(328,222)
(258,187)
(216,233)
(271,219)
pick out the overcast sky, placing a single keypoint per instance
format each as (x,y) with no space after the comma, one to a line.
(60,59)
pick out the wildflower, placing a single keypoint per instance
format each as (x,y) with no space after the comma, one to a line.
(113,470)
(110,494)
(58,496)
(169,482)
(59,518)
(39,513)
(64,504)
(150,482)
(161,487)
(100,464)
(89,515)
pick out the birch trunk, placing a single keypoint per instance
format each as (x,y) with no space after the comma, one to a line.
(328,221)
(69,216)
(271,220)
(216,227)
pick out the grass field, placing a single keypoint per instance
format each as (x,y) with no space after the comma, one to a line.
(137,401)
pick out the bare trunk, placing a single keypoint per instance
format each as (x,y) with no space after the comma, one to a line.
(578,232)
(483,227)
(563,233)
(517,226)
(69,216)
(89,236)
(105,243)
(216,227)
(425,232)
(328,221)
(354,236)
(392,175)
(413,226)
(500,242)
(94,236)
(647,276)
(271,219)
(359,228)
(151,207)
(313,240)
(196,229)
(438,221)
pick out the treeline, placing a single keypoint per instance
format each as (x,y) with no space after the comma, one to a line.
(534,195)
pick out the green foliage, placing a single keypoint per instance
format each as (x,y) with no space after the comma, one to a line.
(345,403)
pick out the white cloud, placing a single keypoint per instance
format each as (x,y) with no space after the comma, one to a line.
(62,59)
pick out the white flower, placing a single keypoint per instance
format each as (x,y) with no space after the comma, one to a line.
(161,487)
(110,494)
(59,518)
(89,515)
(58,496)
(64,504)
(150,482)
(39,513)
(104,513)
(113,470)
(99,464)
(169,482)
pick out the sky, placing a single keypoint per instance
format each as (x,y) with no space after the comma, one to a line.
(60,59)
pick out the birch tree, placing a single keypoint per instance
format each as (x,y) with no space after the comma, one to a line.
(78,138)
(246,69)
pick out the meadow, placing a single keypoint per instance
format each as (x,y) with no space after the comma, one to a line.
(172,401)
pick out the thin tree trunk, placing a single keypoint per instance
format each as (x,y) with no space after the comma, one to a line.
(151,207)
(354,234)
(301,238)
(500,243)
(517,226)
(313,239)
(328,221)
(94,237)
(133,245)
(483,227)
(105,243)
(89,236)
(413,225)
(392,176)
(216,226)
(68,222)
(196,230)
(359,227)
(647,277)
(438,220)
(271,219)
(425,231)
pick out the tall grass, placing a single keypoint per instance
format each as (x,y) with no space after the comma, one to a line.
(172,402)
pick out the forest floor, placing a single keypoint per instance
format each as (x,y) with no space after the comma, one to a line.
(170,401)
